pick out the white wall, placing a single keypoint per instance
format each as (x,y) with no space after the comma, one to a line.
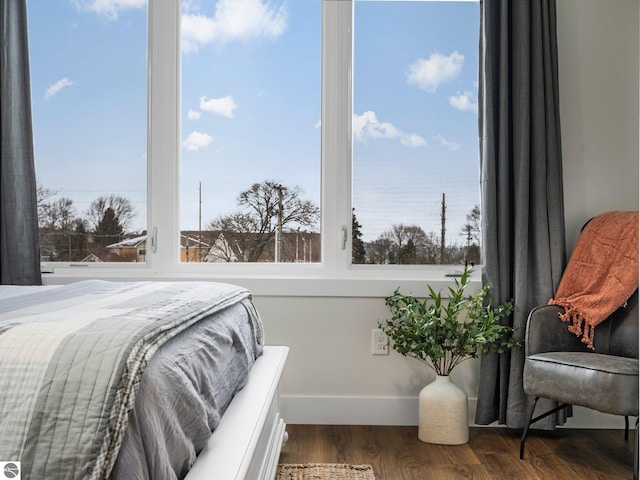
(331,377)
(598,63)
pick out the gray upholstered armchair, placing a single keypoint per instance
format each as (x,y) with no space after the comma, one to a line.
(559,366)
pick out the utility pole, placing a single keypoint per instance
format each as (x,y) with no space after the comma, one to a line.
(469,238)
(443,218)
(279,231)
(199,221)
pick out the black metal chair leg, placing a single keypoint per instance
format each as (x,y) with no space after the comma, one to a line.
(534,420)
(526,428)
(626,428)
(635,455)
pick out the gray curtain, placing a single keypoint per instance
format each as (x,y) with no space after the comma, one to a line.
(523,238)
(19,246)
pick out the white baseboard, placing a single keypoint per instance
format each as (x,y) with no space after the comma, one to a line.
(349,410)
(326,410)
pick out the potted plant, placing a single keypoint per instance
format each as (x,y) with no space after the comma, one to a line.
(442,333)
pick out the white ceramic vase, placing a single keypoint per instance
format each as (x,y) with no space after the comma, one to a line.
(443,416)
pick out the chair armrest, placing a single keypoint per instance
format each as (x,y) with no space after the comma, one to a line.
(545,332)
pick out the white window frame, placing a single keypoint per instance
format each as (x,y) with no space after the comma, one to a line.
(334,275)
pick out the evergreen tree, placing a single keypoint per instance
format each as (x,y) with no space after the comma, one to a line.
(358,253)
(121,206)
(109,230)
(407,253)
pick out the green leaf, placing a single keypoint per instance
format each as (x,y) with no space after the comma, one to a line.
(444,332)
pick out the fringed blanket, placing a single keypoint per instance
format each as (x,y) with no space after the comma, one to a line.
(71,361)
(602,273)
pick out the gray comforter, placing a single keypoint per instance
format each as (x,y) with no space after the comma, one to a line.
(71,371)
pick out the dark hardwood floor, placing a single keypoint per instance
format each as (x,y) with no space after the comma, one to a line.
(492,453)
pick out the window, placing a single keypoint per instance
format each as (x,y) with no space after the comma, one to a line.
(267,103)
(250,151)
(415,133)
(88,78)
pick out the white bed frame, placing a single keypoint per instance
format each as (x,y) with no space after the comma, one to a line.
(246,444)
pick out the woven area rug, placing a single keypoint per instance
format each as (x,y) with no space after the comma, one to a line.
(324,471)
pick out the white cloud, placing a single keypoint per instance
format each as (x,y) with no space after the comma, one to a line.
(197,30)
(109,8)
(367,126)
(466,101)
(224,106)
(429,74)
(56,87)
(233,20)
(413,140)
(193,115)
(443,142)
(197,140)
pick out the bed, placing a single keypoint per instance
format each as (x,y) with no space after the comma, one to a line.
(138,380)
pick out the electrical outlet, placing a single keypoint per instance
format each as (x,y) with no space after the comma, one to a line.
(379,342)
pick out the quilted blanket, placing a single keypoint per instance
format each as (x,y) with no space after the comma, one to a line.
(71,361)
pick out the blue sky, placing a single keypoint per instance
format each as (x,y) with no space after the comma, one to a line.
(88,88)
(251,104)
(415,82)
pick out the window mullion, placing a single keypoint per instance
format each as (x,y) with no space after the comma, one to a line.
(337,32)
(164,133)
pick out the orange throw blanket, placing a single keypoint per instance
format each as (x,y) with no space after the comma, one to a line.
(602,273)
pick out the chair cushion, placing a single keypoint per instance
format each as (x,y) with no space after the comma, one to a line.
(606,383)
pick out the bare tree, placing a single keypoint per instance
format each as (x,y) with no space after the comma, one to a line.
(404,244)
(78,241)
(471,229)
(410,243)
(43,194)
(58,215)
(238,231)
(57,221)
(379,251)
(472,233)
(122,208)
(267,207)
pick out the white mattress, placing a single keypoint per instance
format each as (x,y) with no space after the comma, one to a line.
(7,291)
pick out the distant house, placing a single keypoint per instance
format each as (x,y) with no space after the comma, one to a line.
(192,249)
(220,247)
(135,250)
(130,250)
(221,251)
(91,258)
(294,247)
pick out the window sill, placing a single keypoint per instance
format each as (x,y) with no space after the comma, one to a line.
(360,283)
